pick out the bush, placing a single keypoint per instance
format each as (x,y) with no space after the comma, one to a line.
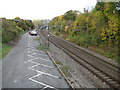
(9,30)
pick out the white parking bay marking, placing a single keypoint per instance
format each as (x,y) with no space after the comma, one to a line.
(42,55)
(44,59)
(47,74)
(31,52)
(46,85)
(46,66)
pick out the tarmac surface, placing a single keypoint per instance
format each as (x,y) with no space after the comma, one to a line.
(26,67)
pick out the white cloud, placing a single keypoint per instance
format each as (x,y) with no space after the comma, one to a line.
(41,9)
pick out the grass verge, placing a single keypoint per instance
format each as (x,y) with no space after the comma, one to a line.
(5,49)
(107,51)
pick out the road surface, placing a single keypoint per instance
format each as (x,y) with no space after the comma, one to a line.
(27,67)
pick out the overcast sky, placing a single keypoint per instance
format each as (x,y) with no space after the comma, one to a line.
(41,9)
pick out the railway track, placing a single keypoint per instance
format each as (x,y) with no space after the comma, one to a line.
(105,70)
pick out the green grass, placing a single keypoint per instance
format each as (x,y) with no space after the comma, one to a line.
(5,49)
(108,51)
(66,70)
(42,48)
(58,62)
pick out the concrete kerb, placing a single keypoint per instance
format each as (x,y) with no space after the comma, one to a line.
(60,70)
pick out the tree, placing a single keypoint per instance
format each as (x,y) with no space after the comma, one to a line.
(70,15)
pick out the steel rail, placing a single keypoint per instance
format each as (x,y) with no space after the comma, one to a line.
(104,70)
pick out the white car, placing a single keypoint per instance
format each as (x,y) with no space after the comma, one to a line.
(33,32)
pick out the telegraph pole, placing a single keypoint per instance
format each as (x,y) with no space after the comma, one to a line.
(48,36)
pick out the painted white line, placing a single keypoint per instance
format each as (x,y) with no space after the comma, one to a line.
(44,59)
(38,50)
(42,54)
(35,75)
(38,64)
(32,54)
(28,48)
(47,74)
(30,60)
(32,69)
(46,66)
(44,88)
(34,62)
(35,66)
(41,83)
(46,85)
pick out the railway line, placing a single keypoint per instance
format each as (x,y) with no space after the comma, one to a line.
(105,70)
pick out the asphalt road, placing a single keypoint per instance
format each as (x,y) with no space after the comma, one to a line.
(27,67)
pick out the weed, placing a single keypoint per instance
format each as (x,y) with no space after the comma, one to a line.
(66,70)
(37,38)
(58,62)
(42,48)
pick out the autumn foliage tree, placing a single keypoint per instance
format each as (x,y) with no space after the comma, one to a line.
(101,23)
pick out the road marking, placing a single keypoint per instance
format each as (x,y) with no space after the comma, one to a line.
(44,59)
(31,52)
(41,83)
(30,60)
(38,64)
(30,55)
(38,51)
(47,74)
(33,62)
(42,54)
(46,66)
(46,85)
(15,81)
(44,88)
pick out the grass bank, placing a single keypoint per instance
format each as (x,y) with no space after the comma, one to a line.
(5,49)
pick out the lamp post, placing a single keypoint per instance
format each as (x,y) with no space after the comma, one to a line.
(48,36)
